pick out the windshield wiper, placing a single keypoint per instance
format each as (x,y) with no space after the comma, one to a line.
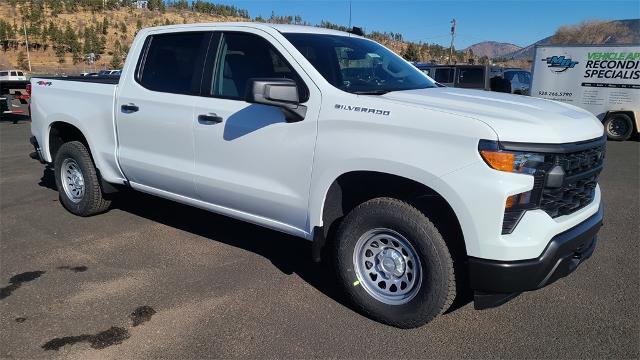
(371,92)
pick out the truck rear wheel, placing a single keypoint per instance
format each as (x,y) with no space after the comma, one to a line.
(393,263)
(618,127)
(77,180)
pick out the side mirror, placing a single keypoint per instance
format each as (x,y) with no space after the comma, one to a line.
(279,92)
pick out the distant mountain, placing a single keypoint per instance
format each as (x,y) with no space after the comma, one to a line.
(492,49)
(526,53)
(630,35)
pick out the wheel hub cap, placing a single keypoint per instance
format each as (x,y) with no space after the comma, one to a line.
(391,262)
(72,180)
(387,266)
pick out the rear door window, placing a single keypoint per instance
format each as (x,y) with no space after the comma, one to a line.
(13,73)
(471,77)
(444,75)
(173,63)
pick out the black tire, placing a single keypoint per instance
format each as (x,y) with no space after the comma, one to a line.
(93,201)
(618,127)
(437,290)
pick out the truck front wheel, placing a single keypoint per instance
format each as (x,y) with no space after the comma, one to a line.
(393,263)
(618,127)
(77,180)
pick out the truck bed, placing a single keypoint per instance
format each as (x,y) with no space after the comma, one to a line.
(85,103)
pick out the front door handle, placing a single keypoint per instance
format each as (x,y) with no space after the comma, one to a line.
(209,119)
(129,108)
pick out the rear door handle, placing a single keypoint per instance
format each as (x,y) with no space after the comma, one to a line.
(209,119)
(129,108)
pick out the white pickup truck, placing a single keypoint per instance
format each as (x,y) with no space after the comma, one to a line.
(412,190)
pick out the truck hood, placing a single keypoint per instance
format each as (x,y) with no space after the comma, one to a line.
(515,118)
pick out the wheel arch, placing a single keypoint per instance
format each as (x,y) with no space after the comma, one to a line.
(350,188)
(60,132)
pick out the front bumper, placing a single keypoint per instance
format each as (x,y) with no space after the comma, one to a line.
(496,282)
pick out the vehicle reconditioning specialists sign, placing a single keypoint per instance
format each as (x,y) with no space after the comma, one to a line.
(596,78)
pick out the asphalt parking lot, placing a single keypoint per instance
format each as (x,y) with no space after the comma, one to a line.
(152,278)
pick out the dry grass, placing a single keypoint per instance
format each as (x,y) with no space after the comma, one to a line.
(592,32)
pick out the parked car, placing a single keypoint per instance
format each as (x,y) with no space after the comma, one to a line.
(602,79)
(407,188)
(109,72)
(519,79)
(12,75)
(424,67)
(463,76)
(483,77)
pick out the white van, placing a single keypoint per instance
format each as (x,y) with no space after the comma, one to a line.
(602,79)
(11,75)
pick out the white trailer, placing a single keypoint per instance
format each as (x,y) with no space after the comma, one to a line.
(602,79)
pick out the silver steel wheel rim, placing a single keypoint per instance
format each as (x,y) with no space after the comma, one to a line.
(617,127)
(72,180)
(387,266)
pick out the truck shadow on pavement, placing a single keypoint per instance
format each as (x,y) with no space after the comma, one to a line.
(289,254)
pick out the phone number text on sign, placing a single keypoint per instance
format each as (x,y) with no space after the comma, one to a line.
(555,93)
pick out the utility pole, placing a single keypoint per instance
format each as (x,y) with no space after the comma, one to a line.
(453,35)
(26,42)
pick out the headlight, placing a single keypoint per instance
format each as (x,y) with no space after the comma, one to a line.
(509,161)
(520,162)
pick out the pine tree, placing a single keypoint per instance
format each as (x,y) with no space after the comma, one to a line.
(105,26)
(56,7)
(116,61)
(22,61)
(411,52)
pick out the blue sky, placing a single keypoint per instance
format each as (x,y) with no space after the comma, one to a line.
(520,22)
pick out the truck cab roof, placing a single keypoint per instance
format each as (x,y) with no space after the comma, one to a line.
(282,28)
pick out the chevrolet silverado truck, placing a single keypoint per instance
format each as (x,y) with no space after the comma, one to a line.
(414,192)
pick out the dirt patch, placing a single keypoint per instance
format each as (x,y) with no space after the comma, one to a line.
(74,268)
(112,336)
(17,280)
(141,315)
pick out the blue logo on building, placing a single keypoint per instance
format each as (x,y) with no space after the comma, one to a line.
(560,63)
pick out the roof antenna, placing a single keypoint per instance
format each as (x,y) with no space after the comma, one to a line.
(354,30)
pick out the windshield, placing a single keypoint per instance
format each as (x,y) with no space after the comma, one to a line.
(358,65)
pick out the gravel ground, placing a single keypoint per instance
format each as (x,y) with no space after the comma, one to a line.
(152,278)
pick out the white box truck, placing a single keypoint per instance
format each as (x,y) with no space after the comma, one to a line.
(602,79)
